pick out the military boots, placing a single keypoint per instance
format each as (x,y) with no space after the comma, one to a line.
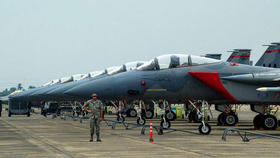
(91,138)
(98,138)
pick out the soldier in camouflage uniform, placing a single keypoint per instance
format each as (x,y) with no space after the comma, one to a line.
(0,108)
(95,109)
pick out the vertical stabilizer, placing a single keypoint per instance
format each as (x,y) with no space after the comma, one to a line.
(271,57)
(241,56)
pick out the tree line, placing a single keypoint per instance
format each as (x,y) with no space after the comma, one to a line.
(8,91)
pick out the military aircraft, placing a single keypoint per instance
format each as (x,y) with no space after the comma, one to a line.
(178,78)
(57,93)
(26,95)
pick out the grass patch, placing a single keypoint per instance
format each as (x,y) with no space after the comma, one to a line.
(4,106)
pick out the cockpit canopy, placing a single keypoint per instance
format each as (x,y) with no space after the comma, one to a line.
(133,65)
(170,61)
(97,73)
(126,67)
(66,79)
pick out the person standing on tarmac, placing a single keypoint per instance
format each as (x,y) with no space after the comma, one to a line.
(0,108)
(95,109)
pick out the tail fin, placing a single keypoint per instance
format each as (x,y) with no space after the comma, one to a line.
(213,56)
(241,56)
(271,57)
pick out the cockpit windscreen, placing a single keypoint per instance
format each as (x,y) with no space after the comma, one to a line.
(170,61)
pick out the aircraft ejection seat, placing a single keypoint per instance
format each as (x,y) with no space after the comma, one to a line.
(174,62)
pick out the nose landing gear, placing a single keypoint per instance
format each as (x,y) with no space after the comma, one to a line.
(204,127)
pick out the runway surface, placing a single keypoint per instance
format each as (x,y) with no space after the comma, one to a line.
(37,136)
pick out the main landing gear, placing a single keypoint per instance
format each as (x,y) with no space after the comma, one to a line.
(228,116)
(264,119)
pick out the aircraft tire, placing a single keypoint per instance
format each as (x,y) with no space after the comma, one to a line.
(121,118)
(221,119)
(231,119)
(269,122)
(132,113)
(128,113)
(28,114)
(196,119)
(75,114)
(170,115)
(9,114)
(165,125)
(206,130)
(190,116)
(193,116)
(141,122)
(149,114)
(258,119)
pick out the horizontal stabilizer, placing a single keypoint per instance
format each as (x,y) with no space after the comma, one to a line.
(268,89)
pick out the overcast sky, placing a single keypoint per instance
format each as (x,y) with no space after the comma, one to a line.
(44,40)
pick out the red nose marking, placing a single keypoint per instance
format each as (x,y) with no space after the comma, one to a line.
(143,83)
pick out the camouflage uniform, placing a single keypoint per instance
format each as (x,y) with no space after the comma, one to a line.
(96,107)
(0,108)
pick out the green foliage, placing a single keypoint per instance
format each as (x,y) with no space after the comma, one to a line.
(12,89)
(7,92)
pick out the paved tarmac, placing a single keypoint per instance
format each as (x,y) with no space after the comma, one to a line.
(37,136)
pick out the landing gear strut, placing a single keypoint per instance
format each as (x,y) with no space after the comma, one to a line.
(165,122)
(120,117)
(141,120)
(204,127)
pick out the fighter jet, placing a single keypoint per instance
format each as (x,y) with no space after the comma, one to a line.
(178,78)
(26,95)
(53,91)
(56,93)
